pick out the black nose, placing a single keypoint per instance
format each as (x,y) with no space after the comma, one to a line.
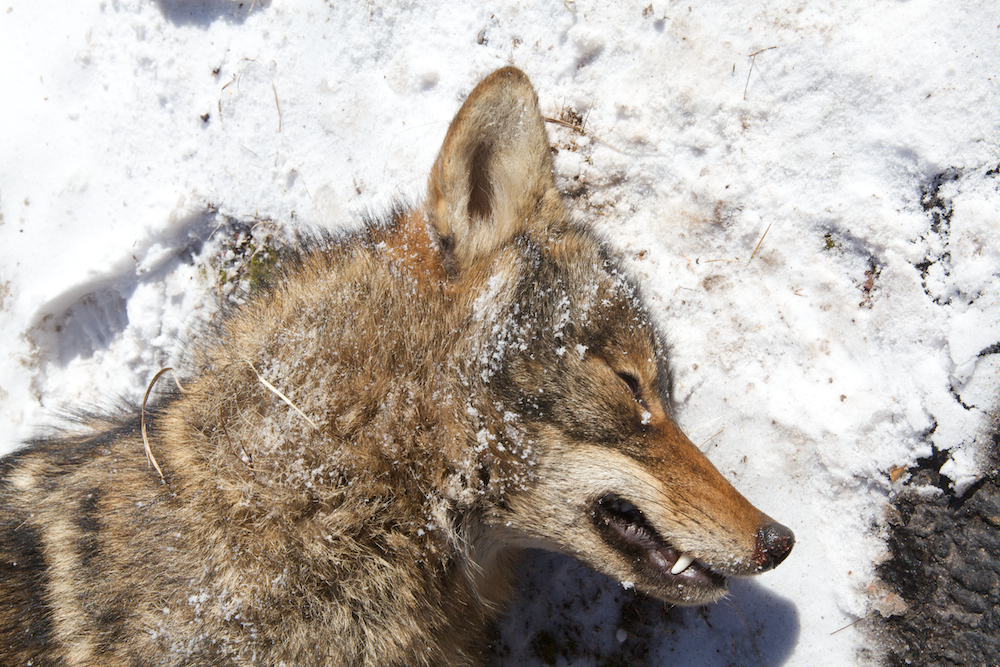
(774,543)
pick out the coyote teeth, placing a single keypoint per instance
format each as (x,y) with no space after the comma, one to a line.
(683,563)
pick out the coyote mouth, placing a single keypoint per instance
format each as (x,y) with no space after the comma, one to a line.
(623,526)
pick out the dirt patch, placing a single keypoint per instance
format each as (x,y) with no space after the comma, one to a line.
(946,566)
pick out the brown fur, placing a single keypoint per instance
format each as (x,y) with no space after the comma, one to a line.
(478,376)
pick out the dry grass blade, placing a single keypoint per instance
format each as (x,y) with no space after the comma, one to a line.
(709,438)
(579,129)
(277,393)
(177,381)
(559,121)
(145,440)
(276,105)
(757,247)
(753,59)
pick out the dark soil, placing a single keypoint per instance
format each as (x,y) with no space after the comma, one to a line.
(946,566)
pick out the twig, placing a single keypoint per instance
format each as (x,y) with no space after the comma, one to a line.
(749,634)
(849,625)
(145,440)
(280,395)
(753,59)
(580,129)
(758,243)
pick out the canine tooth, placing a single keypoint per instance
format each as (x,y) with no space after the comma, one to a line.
(683,563)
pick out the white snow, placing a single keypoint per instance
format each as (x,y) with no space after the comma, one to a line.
(825,352)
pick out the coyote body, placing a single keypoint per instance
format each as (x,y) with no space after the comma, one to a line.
(356,457)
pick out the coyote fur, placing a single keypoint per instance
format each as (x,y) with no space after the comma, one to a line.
(352,462)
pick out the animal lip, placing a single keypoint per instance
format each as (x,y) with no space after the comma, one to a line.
(625,527)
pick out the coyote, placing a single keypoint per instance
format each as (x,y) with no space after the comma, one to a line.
(352,461)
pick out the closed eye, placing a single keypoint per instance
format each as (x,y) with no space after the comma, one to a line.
(633,385)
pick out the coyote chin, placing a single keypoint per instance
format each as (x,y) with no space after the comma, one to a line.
(358,455)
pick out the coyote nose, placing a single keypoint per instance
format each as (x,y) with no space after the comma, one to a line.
(774,543)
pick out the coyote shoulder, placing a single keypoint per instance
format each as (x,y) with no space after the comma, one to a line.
(361,451)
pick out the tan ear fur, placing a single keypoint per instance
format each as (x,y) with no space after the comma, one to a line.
(492,179)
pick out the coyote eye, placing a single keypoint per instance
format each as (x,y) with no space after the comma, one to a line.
(632,384)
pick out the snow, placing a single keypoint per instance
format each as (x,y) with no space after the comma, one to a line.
(817,226)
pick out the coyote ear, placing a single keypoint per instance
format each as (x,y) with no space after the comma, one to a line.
(492,179)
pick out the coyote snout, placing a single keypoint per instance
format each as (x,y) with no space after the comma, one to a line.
(633,497)
(360,452)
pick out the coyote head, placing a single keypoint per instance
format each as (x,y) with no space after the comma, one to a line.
(573,366)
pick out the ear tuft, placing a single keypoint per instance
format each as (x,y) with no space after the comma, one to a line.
(492,180)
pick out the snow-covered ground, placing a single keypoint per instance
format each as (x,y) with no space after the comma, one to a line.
(808,192)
